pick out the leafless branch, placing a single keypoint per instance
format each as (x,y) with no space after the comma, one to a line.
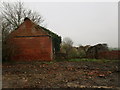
(13,15)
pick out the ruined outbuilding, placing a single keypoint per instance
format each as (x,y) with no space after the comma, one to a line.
(93,51)
(30,42)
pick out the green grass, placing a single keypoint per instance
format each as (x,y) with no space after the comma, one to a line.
(48,62)
(92,60)
(60,60)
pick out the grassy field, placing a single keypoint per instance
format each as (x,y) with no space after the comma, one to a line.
(89,60)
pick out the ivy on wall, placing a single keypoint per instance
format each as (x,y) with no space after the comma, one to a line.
(56,40)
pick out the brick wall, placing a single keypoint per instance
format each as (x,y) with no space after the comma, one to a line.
(31,48)
(29,42)
(113,55)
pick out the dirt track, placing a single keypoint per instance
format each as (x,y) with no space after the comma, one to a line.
(60,74)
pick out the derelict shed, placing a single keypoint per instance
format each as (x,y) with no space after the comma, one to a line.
(30,42)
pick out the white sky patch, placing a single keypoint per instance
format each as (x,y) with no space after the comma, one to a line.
(61,0)
(86,23)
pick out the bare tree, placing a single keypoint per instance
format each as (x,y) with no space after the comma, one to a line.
(0,27)
(0,23)
(67,41)
(13,15)
(66,46)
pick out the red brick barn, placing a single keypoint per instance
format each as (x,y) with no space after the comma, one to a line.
(30,42)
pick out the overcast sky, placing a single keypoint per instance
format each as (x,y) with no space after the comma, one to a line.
(86,23)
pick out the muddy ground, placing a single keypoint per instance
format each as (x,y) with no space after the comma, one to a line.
(82,74)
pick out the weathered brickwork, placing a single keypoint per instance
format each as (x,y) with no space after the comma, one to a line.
(29,42)
(113,55)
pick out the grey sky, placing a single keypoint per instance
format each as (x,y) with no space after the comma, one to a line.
(86,23)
